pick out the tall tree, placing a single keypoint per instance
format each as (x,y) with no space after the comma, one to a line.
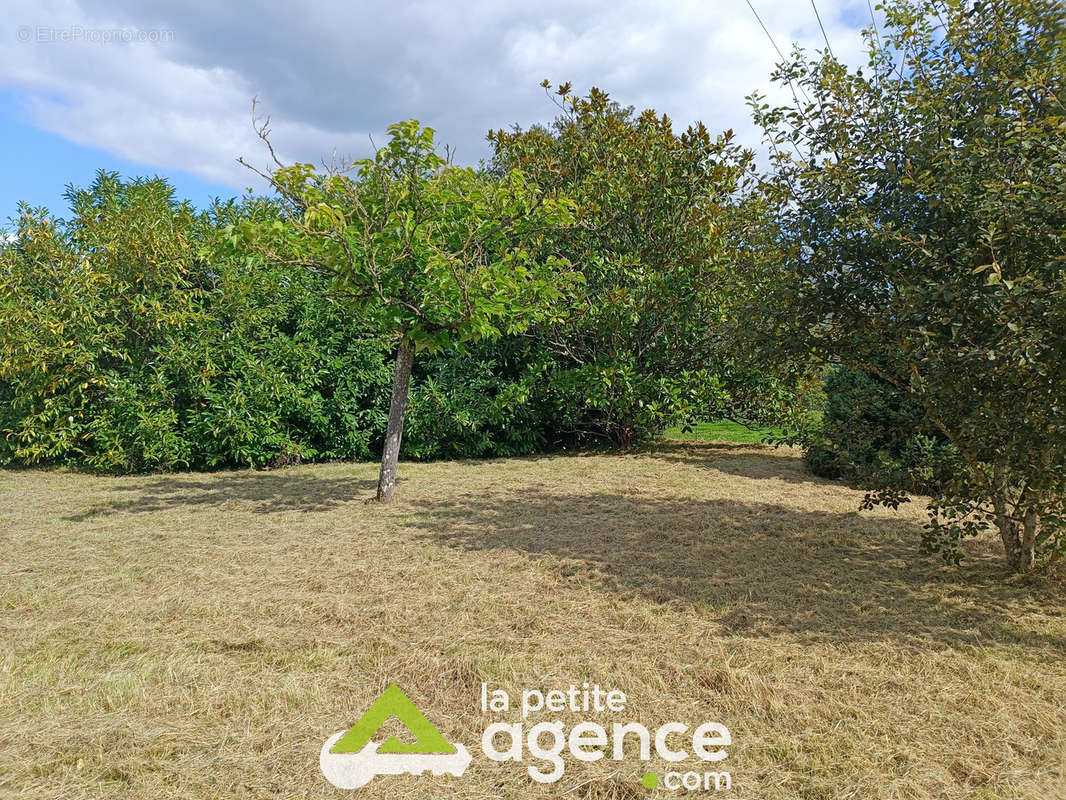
(658,240)
(435,254)
(924,198)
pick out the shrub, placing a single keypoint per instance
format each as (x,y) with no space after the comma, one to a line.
(135,339)
(874,436)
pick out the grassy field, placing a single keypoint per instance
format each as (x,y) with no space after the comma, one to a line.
(721,431)
(200,636)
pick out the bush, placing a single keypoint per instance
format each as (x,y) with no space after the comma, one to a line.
(136,340)
(489,401)
(140,335)
(874,436)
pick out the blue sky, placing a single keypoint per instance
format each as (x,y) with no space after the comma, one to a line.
(37,166)
(164,87)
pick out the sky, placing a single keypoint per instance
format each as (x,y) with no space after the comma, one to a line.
(166,88)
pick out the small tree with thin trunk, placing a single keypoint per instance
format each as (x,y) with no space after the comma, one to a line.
(433,254)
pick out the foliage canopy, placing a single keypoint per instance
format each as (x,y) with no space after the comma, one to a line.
(924,200)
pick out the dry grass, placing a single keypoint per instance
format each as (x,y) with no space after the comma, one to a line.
(201,635)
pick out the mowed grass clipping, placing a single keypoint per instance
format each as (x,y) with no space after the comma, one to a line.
(200,636)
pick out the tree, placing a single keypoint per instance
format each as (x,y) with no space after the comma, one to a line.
(924,201)
(433,254)
(85,303)
(134,337)
(657,239)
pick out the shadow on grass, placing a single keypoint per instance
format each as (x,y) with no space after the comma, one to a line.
(758,461)
(267,492)
(760,568)
(757,567)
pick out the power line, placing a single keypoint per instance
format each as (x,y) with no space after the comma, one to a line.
(873,19)
(766,30)
(818,17)
(784,60)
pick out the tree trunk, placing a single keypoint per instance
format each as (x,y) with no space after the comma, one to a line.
(1028,543)
(390,454)
(1019,540)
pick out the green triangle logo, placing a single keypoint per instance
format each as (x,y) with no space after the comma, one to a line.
(394,703)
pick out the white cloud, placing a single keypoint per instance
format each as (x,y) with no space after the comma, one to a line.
(333,73)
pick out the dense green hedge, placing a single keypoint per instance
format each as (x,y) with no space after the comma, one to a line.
(136,337)
(133,340)
(137,334)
